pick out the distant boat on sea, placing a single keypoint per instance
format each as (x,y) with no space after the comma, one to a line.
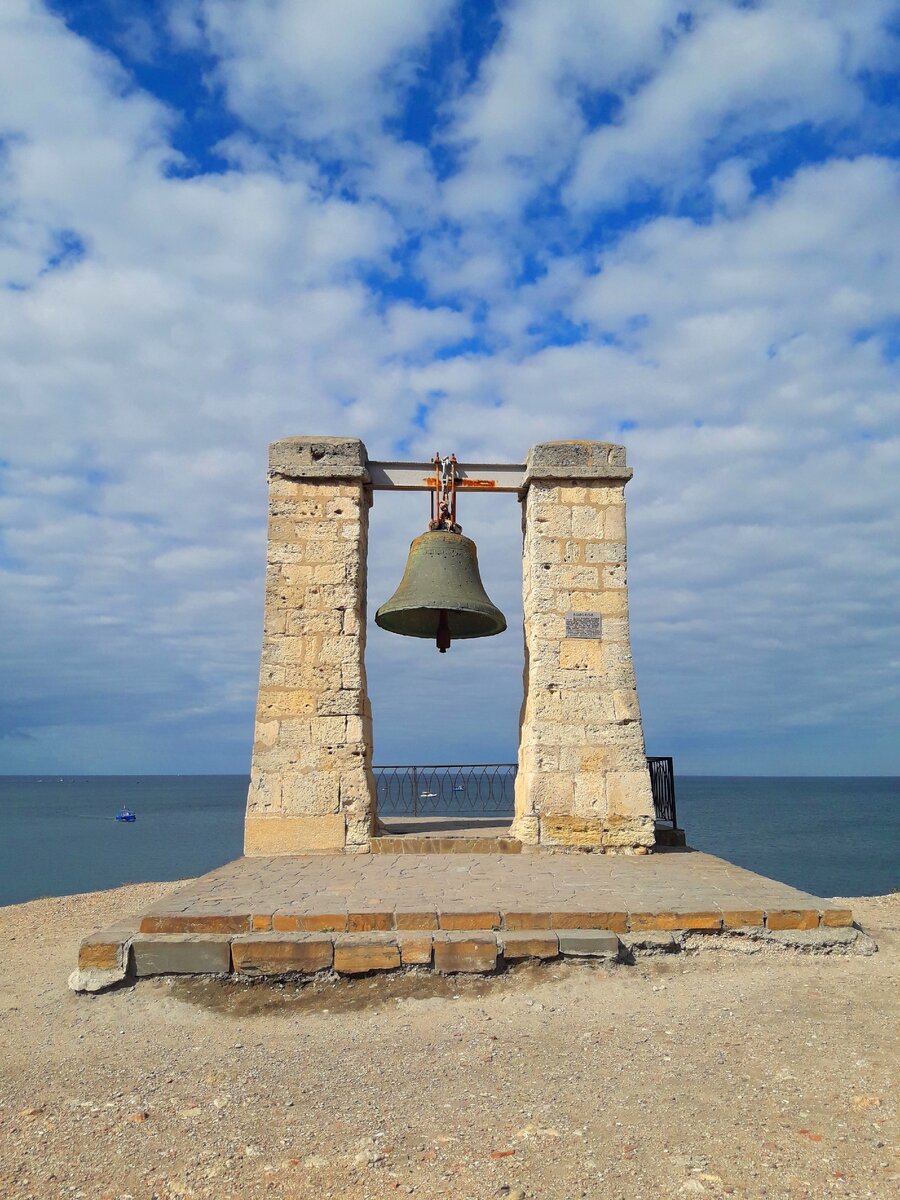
(125,814)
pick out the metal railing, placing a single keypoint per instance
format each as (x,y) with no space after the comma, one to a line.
(662,783)
(483,789)
(470,789)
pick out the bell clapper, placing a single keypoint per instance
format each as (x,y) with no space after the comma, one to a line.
(442,641)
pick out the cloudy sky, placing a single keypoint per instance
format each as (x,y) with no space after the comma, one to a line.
(456,225)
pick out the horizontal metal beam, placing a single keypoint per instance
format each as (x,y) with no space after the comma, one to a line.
(470,477)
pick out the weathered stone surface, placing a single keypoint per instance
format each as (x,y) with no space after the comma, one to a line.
(200,923)
(787,918)
(617,922)
(650,941)
(464,952)
(640,921)
(415,948)
(94,979)
(279,834)
(530,943)
(181,954)
(526,920)
(103,952)
(583,833)
(311,787)
(255,954)
(357,954)
(415,920)
(462,919)
(325,922)
(834,918)
(583,781)
(592,943)
(743,918)
(369,922)
(576,461)
(319,458)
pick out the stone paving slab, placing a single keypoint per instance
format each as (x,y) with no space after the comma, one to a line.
(358,893)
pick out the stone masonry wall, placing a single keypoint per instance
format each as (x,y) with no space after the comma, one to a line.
(311,783)
(583,780)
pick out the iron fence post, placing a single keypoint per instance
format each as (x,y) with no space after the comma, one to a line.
(415,791)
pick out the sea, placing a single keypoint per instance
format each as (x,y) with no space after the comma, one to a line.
(59,835)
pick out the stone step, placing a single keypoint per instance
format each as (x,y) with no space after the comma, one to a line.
(410,844)
(274,954)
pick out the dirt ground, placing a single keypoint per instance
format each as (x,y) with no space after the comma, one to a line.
(718,1074)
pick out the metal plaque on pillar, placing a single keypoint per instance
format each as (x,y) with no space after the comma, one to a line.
(584,625)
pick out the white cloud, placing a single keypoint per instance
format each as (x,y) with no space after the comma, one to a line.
(318,68)
(209,315)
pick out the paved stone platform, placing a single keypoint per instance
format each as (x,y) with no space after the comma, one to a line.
(366,892)
(356,913)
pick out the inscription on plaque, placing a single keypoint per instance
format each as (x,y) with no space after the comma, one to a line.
(582,625)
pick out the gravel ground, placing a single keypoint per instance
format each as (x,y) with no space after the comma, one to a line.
(719,1074)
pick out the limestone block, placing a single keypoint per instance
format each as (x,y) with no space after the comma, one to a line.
(792,918)
(346,702)
(614,576)
(590,794)
(357,954)
(536,943)
(300,622)
(281,954)
(580,654)
(625,704)
(541,758)
(605,552)
(265,792)
(616,922)
(834,918)
(460,918)
(265,734)
(467,952)
(580,578)
(614,523)
(266,835)
(525,827)
(625,833)
(629,794)
(581,833)
(743,918)
(553,522)
(587,521)
(317,458)
(553,793)
(311,793)
(577,460)
(415,949)
(667,921)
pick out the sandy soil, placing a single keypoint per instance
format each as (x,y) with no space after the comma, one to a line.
(721,1074)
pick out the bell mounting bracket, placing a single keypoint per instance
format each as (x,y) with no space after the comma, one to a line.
(443,495)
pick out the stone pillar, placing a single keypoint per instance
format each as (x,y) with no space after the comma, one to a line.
(311,786)
(583,780)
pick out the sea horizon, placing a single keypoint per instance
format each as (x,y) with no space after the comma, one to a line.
(376,766)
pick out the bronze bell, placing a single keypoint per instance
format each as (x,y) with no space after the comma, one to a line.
(441,595)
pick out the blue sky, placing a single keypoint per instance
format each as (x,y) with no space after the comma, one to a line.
(465,226)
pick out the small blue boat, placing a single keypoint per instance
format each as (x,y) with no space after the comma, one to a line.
(125,814)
